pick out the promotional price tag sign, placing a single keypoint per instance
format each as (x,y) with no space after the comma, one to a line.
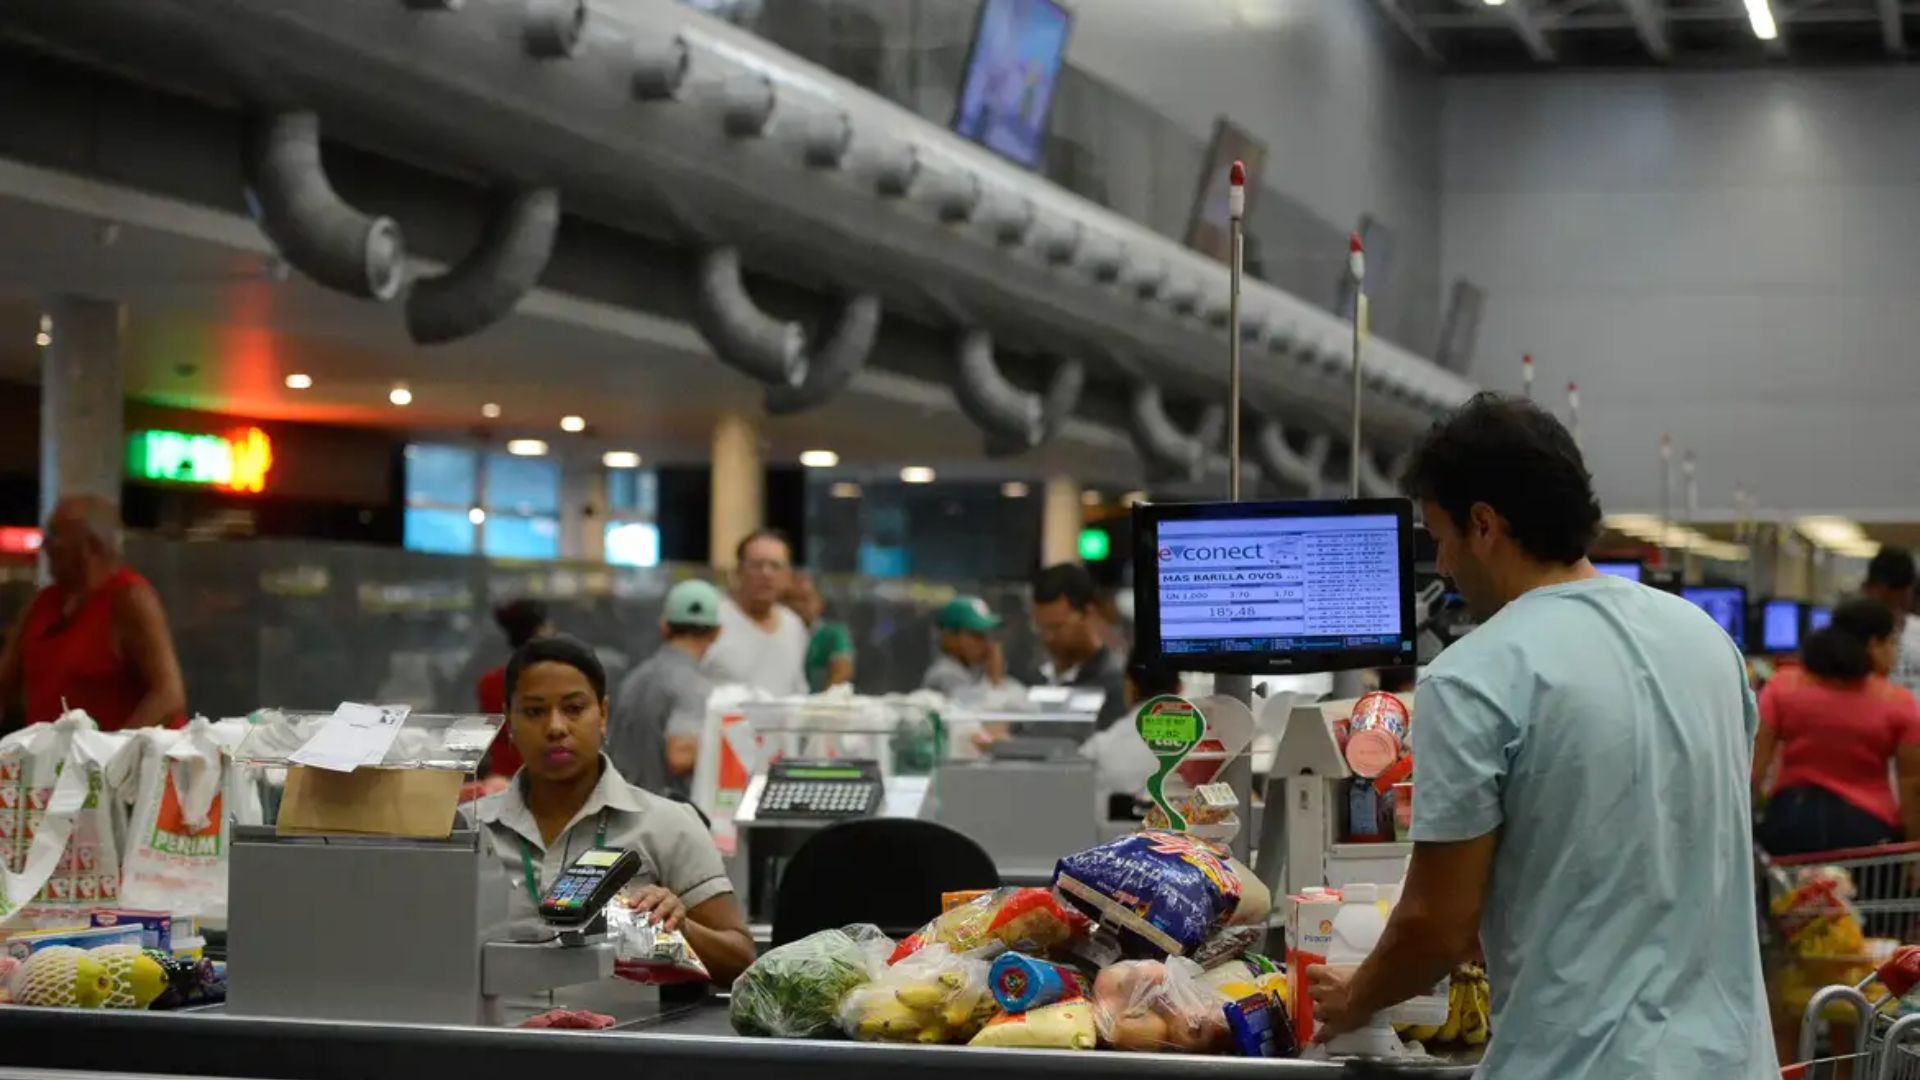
(1171,728)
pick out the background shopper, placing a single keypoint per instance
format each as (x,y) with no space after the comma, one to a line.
(1067,617)
(763,644)
(829,660)
(661,707)
(521,621)
(1890,580)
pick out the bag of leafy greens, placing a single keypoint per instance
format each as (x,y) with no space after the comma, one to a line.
(795,990)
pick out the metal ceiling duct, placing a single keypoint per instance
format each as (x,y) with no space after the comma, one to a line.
(555,28)
(659,69)
(1005,412)
(1298,472)
(485,285)
(834,364)
(1167,450)
(1063,393)
(744,337)
(1375,484)
(314,229)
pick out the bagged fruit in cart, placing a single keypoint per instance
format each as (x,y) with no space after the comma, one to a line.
(1028,920)
(1157,1006)
(1814,911)
(1164,894)
(1469,1013)
(795,990)
(934,996)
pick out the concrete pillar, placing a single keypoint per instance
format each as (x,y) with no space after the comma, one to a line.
(83,444)
(583,510)
(739,481)
(1061,517)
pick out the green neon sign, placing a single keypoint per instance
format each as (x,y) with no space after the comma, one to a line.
(1095,545)
(238,462)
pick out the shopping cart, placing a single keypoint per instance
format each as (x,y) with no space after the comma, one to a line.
(1884,1048)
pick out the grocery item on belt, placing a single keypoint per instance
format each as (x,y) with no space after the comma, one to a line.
(1030,920)
(138,978)
(1162,893)
(62,976)
(1376,733)
(933,996)
(795,990)
(1020,982)
(645,952)
(1153,1006)
(1065,1025)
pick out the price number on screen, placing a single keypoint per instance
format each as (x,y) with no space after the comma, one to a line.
(1242,611)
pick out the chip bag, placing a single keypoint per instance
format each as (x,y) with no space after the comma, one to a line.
(1162,893)
(1160,1007)
(795,990)
(1030,920)
(1066,1025)
(933,996)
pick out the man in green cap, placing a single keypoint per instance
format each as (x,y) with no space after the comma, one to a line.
(970,667)
(653,734)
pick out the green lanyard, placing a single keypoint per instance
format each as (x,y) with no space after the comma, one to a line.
(526,858)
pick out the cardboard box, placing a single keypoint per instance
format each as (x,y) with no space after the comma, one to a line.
(156,927)
(412,803)
(1309,934)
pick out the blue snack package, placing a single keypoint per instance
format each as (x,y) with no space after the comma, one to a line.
(1162,893)
(1250,1022)
(1020,982)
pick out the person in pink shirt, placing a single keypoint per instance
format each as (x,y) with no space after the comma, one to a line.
(1829,730)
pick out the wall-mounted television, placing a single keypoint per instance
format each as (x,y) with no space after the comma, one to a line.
(1208,229)
(1780,625)
(1726,603)
(1631,569)
(1007,91)
(1819,618)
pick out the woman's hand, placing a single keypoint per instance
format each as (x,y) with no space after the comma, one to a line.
(667,910)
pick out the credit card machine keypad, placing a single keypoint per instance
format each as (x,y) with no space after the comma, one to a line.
(584,890)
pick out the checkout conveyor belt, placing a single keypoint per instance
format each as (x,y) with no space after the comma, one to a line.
(690,1042)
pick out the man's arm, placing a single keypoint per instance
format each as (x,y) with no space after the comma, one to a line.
(1765,746)
(1434,928)
(148,646)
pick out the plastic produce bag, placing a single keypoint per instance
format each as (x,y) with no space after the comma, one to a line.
(795,990)
(1066,1025)
(933,996)
(1162,893)
(1154,1006)
(1029,920)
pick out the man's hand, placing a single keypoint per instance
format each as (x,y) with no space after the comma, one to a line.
(996,663)
(667,910)
(1327,986)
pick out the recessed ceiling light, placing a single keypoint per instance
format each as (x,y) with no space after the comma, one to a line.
(574,424)
(43,339)
(819,459)
(400,395)
(476,515)
(845,490)
(299,381)
(916,474)
(526,447)
(1089,497)
(1132,498)
(1760,17)
(490,411)
(1014,489)
(620,459)
(46,324)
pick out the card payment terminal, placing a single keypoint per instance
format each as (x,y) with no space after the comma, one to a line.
(584,890)
(821,789)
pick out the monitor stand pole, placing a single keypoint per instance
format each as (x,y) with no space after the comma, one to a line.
(1239,774)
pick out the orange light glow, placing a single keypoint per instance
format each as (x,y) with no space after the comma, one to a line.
(252,457)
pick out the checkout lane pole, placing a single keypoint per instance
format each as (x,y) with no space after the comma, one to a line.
(1239,774)
(1357,266)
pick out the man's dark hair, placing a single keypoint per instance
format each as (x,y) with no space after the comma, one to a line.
(1065,581)
(520,620)
(740,549)
(1891,568)
(1838,650)
(680,630)
(558,649)
(1515,457)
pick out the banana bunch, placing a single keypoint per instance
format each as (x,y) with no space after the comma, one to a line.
(1469,1012)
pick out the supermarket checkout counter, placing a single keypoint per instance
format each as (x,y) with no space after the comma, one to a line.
(688,1043)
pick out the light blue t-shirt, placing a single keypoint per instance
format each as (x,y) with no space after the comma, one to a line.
(1606,729)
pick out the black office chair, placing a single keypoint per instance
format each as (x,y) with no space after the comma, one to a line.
(885,871)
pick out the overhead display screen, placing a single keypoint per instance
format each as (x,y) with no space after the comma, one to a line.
(1780,626)
(1726,603)
(1008,89)
(1274,587)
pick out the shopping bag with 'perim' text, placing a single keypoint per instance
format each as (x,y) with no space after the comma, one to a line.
(180,833)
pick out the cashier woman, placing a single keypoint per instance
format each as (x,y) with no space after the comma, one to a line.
(568,797)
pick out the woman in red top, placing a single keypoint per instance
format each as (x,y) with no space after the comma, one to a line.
(1833,727)
(522,621)
(96,639)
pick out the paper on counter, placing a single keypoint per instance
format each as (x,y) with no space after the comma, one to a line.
(355,735)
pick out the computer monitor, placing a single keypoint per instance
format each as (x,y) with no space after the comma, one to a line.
(1819,618)
(1780,622)
(1275,587)
(1007,91)
(1726,603)
(1631,569)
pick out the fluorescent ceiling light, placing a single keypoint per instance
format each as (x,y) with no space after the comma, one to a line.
(1760,15)
(845,490)
(573,424)
(1495,3)
(299,381)
(1831,532)
(526,447)
(1014,489)
(819,459)
(477,515)
(400,395)
(916,474)
(490,411)
(620,459)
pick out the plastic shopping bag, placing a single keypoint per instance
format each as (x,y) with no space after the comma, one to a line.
(180,834)
(1157,1007)
(932,996)
(59,828)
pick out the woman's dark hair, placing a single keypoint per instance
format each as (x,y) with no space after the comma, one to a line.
(1066,581)
(1839,649)
(558,649)
(1515,457)
(520,620)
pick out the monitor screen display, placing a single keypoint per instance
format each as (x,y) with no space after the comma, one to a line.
(1008,88)
(1260,588)
(1208,227)
(1780,626)
(1619,568)
(1726,603)
(1819,618)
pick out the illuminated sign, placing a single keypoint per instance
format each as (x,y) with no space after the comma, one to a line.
(237,462)
(1095,545)
(19,540)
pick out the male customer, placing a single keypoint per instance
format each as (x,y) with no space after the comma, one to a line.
(654,733)
(970,669)
(1890,580)
(1066,615)
(829,659)
(763,644)
(1582,765)
(96,639)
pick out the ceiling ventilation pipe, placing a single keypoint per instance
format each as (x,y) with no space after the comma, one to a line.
(1167,450)
(1297,472)
(747,339)
(835,363)
(1013,419)
(313,228)
(555,29)
(485,285)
